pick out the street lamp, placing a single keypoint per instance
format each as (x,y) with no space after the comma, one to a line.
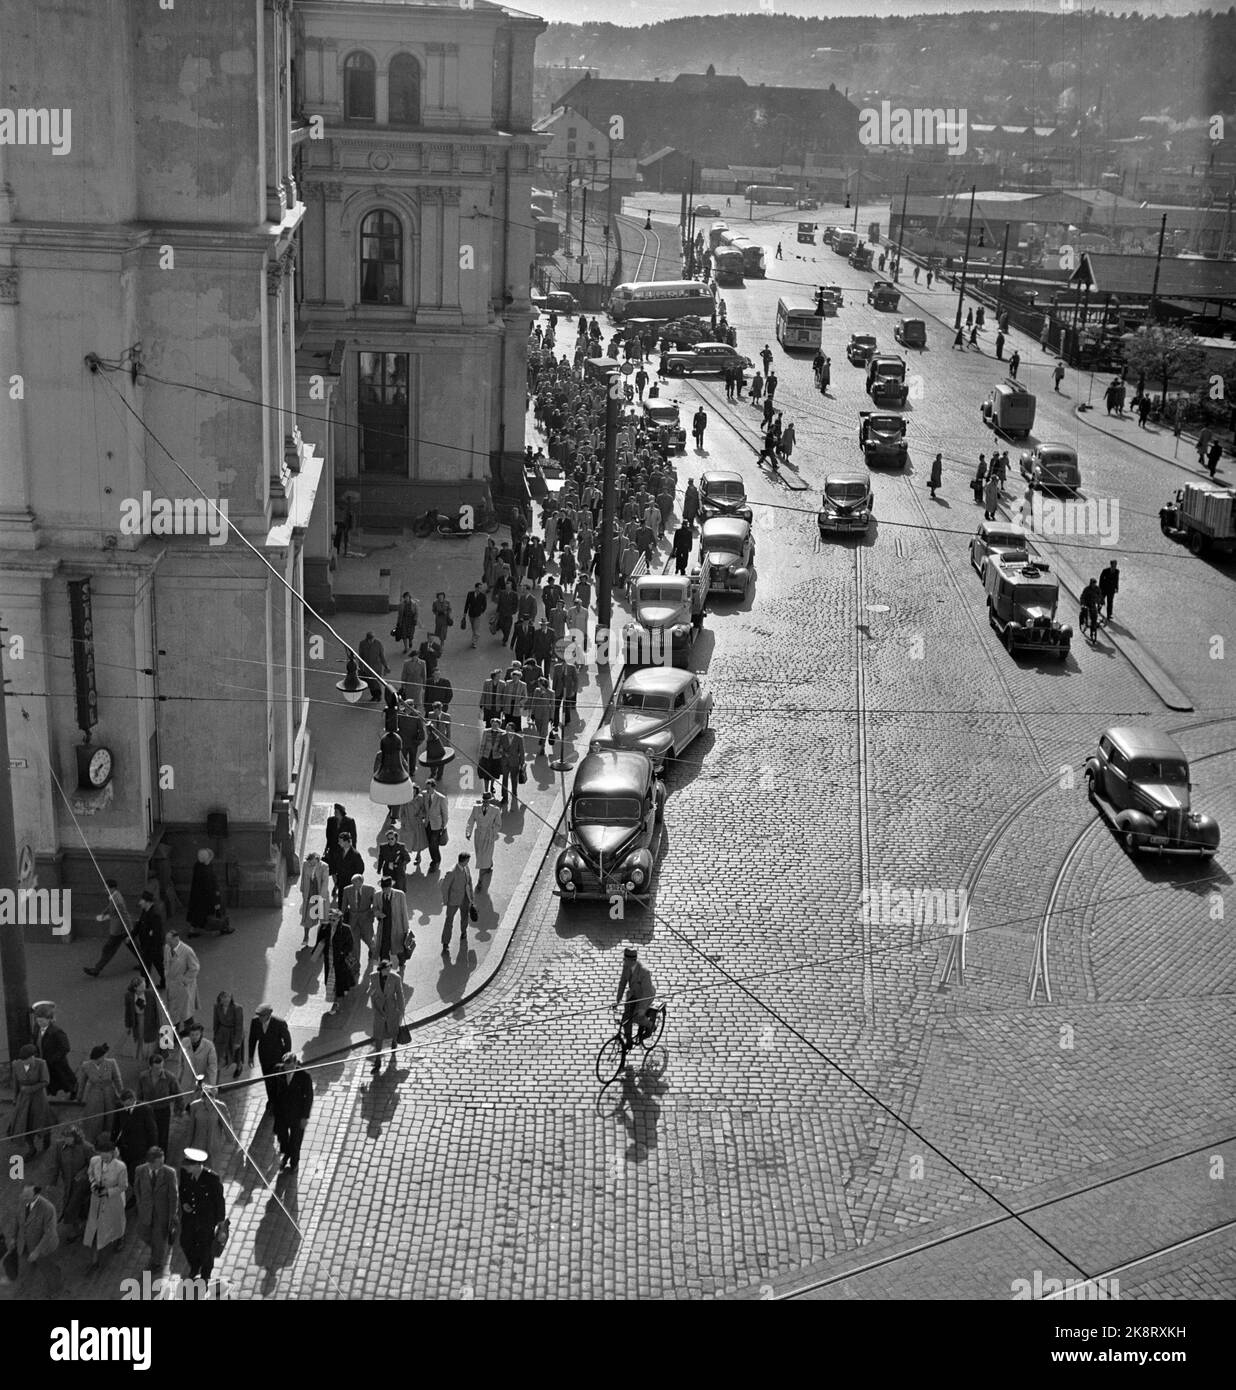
(648,220)
(391,785)
(350,686)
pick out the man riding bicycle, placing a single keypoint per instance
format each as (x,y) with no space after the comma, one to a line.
(636,981)
(1089,603)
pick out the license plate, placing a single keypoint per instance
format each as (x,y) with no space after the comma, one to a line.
(611,888)
(1156,839)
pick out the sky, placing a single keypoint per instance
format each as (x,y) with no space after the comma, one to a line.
(636,12)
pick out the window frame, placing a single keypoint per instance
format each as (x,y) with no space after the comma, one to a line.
(404,58)
(379,261)
(358,61)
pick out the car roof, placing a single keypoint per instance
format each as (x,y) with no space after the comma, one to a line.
(905,323)
(1016,570)
(612,770)
(1005,528)
(646,581)
(726,346)
(1055,448)
(1011,388)
(1139,741)
(847,476)
(724,526)
(658,680)
(888,357)
(720,475)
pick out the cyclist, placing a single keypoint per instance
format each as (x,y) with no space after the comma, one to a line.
(636,981)
(1089,602)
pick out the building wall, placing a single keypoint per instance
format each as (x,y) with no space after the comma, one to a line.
(159,242)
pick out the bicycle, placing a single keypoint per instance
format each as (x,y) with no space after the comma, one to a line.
(612,1057)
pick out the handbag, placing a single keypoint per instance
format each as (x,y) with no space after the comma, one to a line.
(523,775)
(473,914)
(404,1036)
(222,1231)
(443,840)
(463,623)
(394,632)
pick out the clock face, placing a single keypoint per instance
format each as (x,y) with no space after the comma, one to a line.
(100,767)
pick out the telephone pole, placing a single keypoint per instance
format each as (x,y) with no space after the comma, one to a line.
(12,937)
(965,260)
(605,575)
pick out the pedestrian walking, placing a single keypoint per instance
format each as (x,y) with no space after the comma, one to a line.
(969,318)
(203,1214)
(1014,364)
(757,389)
(346,865)
(342,957)
(438,690)
(442,616)
(343,528)
(974,340)
(408,614)
(542,711)
(203,1059)
(393,939)
(690,503)
(699,423)
(109,1185)
(157,1197)
(779,257)
(157,1092)
(474,606)
(1109,585)
(1213,456)
(930,277)
(293,1106)
(358,910)
(269,1039)
(228,1033)
(999,347)
(149,931)
(916,271)
(181,968)
(766,357)
(787,441)
(412,677)
(372,665)
(436,816)
(51,1043)
(205,911)
(438,751)
(1057,376)
(770,387)
(393,860)
(959,341)
(314,894)
(457,898)
(119,929)
(684,540)
(729,383)
(73,1154)
(486,820)
(1203,445)
(991,496)
(135,1134)
(209,1124)
(980,476)
(142,1019)
(32,1116)
(98,1091)
(386,1000)
(513,758)
(937,474)
(769,411)
(35,1243)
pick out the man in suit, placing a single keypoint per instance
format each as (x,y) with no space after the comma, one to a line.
(271,1039)
(293,1106)
(158,1207)
(358,899)
(412,678)
(119,927)
(347,864)
(202,1208)
(394,937)
(52,1044)
(523,639)
(149,931)
(436,811)
(36,1244)
(457,895)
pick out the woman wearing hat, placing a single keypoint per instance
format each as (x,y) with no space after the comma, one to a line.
(109,1184)
(32,1114)
(341,958)
(98,1089)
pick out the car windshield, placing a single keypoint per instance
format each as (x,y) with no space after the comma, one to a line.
(845,491)
(1035,596)
(661,593)
(731,545)
(607,810)
(1160,770)
(886,424)
(638,699)
(726,491)
(863,342)
(1057,460)
(1005,538)
(663,412)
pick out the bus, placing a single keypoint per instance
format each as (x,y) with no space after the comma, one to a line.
(770,193)
(727,267)
(717,234)
(752,254)
(799,326)
(844,242)
(661,299)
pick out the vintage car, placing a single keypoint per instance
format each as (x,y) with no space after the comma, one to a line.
(614,828)
(860,349)
(1002,540)
(1009,409)
(882,438)
(1051,468)
(835,293)
(911,333)
(860,258)
(884,295)
(723,493)
(846,503)
(1021,606)
(886,380)
(807,204)
(658,711)
(702,359)
(706,210)
(661,420)
(726,544)
(667,614)
(1139,780)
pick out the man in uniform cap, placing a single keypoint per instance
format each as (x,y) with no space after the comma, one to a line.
(271,1039)
(202,1211)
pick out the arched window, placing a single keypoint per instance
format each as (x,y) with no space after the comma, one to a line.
(359,88)
(381,258)
(405,90)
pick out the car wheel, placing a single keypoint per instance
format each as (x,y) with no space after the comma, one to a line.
(1129,840)
(1090,791)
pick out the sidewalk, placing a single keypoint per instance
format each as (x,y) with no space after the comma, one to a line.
(1159,441)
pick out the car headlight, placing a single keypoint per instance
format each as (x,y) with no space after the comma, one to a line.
(637,877)
(1160,815)
(564,874)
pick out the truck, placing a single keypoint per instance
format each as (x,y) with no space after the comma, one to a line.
(1009,409)
(883,438)
(1203,516)
(886,380)
(1022,597)
(860,257)
(667,613)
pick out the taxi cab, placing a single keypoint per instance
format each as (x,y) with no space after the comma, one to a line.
(614,828)
(1139,780)
(658,711)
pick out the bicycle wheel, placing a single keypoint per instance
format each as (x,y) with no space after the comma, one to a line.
(610,1059)
(658,1029)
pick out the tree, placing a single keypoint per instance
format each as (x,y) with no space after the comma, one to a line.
(1169,356)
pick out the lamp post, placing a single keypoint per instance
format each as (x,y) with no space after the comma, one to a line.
(965,260)
(391,784)
(350,687)
(901,232)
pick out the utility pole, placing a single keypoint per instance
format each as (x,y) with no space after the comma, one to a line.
(1004,260)
(12,938)
(1158,261)
(583,222)
(965,260)
(605,576)
(567,235)
(858,189)
(901,235)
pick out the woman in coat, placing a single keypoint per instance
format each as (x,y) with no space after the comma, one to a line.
(534,559)
(489,757)
(142,1018)
(405,621)
(339,824)
(412,826)
(341,959)
(488,560)
(205,900)
(512,762)
(314,893)
(208,1128)
(229,1033)
(98,1089)
(936,477)
(109,1185)
(73,1154)
(393,859)
(32,1114)
(567,569)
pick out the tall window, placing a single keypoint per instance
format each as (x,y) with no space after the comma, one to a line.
(381,251)
(405,90)
(359,88)
(382,412)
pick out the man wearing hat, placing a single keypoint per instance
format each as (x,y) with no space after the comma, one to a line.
(51,1043)
(202,1212)
(158,1207)
(486,819)
(271,1039)
(358,910)
(386,999)
(37,1242)
(293,1106)
(457,893)
(394,939)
